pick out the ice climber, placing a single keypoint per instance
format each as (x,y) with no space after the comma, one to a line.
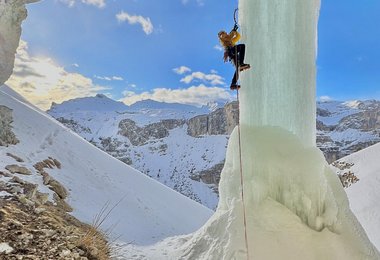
(234,53)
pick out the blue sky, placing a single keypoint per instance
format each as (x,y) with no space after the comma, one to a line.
(348,51)
(167,50)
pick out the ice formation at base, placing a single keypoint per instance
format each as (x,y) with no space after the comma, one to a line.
(296,207)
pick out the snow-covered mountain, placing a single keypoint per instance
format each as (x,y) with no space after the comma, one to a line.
(147,136)
(347,127)
(37,149)
(155,138)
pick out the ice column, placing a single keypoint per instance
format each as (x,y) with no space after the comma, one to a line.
(281,47)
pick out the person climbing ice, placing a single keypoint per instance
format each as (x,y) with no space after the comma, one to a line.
(233,52)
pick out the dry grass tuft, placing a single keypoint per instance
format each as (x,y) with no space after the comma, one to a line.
(96,242)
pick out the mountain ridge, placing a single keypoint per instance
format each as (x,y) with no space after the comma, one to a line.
(132,135)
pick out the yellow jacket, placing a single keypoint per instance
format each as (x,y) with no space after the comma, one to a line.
(229,40)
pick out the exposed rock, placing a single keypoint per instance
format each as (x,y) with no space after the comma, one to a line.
(5,174)
(140,135)
(323,112)
(41,198)
(7,137)
(49,233)
(47,163)
(18,159)
(14,168)
(63,205)
(220,122)
(60,191)
(366,121)
(58,188)
(210,176)
(12,13)
(16,179)
(15,190)
(3,186)
(30,190)
(323,127)
(45,177)
(74,125)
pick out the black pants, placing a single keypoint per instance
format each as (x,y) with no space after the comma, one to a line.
(236,55)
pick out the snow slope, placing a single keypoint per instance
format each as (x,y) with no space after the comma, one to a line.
(147,211)
(171,160)
(364,195)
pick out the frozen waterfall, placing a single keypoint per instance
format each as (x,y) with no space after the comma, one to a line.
(281,43)
(296,207)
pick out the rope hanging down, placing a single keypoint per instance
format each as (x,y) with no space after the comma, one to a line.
(242,181)
(240,154)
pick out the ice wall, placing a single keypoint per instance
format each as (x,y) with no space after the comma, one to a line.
(296,207)
(281,42)
(12,13)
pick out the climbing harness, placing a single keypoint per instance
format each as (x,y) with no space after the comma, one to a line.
(237,65)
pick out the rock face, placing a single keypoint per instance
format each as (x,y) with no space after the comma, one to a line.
(75,126)
(353,132)
(140,135)
(220,122)
(7,137)
(12,13)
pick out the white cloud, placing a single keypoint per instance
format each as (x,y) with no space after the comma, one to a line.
(218,47)
(76,65)
(214,79)
(97,3)
(42,81)
(194,95)
(199,2)
(181,70)
(109,78)
(145,22)
(325,98)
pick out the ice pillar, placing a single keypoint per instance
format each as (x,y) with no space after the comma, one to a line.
(281,41)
